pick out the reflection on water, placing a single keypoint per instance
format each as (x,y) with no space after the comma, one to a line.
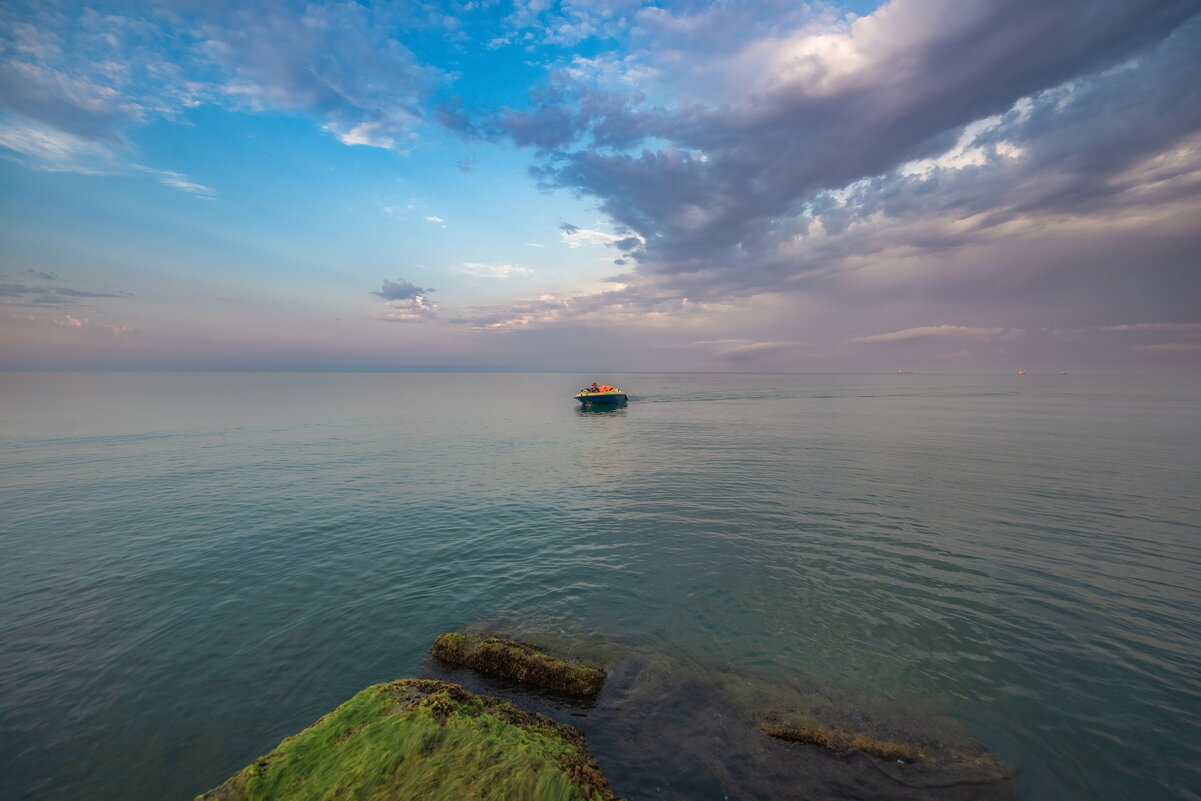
(618,409)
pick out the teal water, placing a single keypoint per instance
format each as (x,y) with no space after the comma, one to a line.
(197,565)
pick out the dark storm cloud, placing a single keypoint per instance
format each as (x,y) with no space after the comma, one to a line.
(400,289)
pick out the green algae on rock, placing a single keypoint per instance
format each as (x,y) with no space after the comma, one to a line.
(518,661)
(807,730)
(418,738)
(958,765)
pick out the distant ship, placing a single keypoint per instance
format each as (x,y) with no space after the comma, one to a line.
(904,372)
(1021,372)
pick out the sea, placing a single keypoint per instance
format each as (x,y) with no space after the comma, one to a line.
(194,566)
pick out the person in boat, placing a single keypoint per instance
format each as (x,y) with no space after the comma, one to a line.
(594,387)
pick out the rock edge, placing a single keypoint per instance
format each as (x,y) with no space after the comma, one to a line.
(520,662)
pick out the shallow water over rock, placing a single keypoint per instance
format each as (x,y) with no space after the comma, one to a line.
(666,728)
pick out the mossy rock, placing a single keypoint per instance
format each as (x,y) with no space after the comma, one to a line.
(968,765)
(520,662)
(418,738)
(804,729)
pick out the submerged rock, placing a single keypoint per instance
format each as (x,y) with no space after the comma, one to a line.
(807,730)
(420,738)
(939,765)
(520,662)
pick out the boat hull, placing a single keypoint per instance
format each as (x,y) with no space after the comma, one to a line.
(602,398)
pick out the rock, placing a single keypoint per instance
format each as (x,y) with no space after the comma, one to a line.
(520,662)
(940,765)
(806,730)
(418,738)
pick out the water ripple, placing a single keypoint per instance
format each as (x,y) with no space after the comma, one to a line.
(199,565)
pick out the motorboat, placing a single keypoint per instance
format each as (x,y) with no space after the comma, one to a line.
(603,395)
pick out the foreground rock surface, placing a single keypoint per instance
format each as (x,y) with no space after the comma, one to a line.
(517,661)
(426,739)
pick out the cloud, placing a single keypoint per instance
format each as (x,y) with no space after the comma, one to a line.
(531,312)
(45,276)
(407,302)
(493,270)
(617,302)
(181,182)
(1170,349)
(369,134)
(435,220)
(935,332)
(339,61)
(854,157)
(1190,330)
(567,24)
(78,107)
(72,323)
(414,310)
(744,351)
(44,147)
(575,236)
(26,295)
(1138,327)
(400,289)
(74,81)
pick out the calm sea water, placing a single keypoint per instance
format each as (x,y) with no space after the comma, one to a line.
(197,565)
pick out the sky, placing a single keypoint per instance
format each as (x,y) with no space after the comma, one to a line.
(616,185)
